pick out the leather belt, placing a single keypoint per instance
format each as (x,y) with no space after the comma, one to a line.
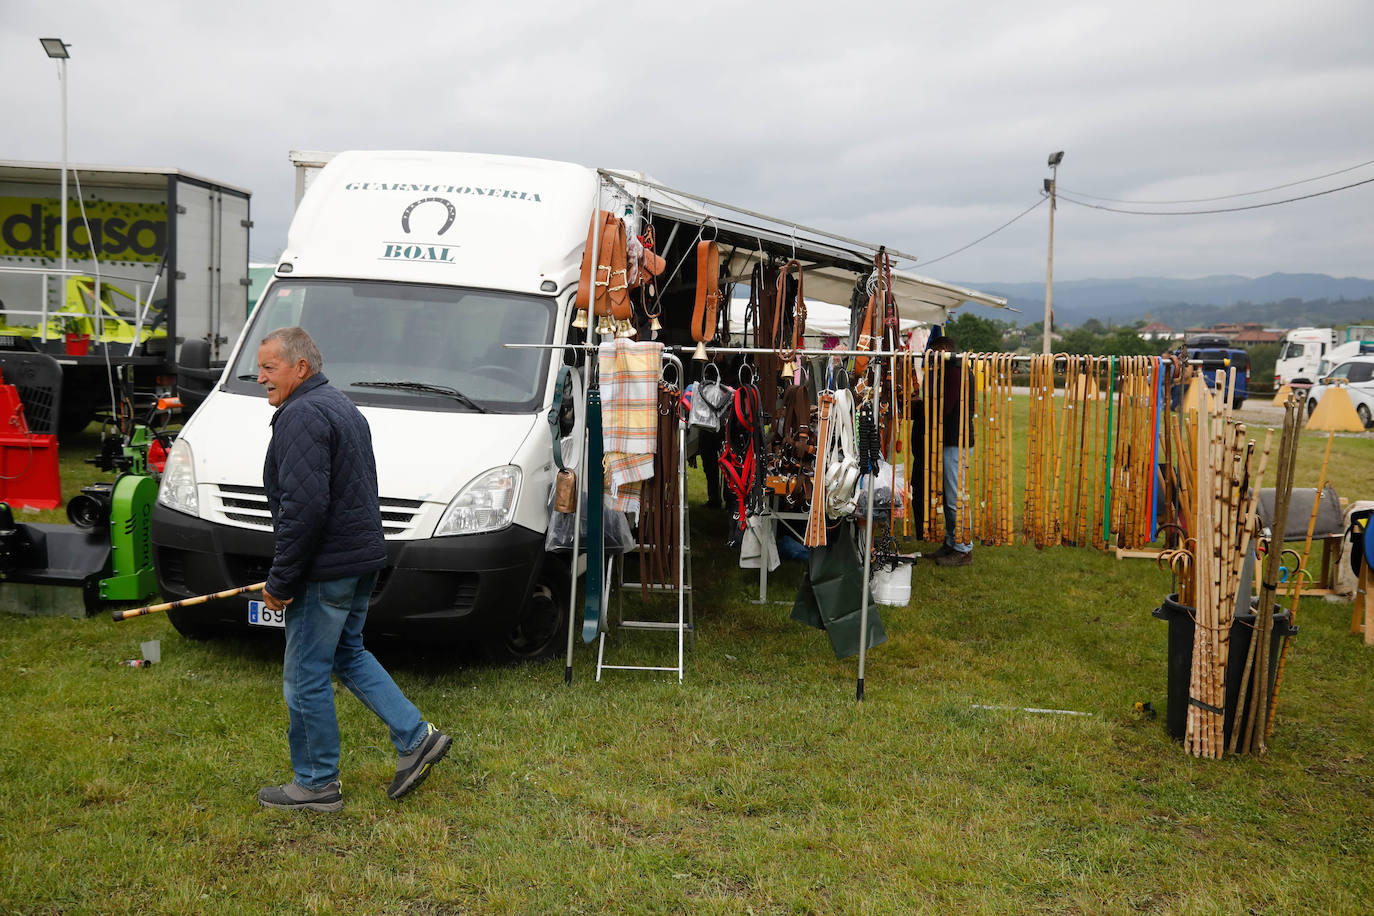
(815,521)
(708,296)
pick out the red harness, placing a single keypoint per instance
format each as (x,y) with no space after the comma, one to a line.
(738,455)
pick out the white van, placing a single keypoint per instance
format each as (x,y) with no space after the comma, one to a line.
(412,270)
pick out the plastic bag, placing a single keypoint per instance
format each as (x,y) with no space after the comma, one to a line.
(617,536)
(883,494)
(710,400)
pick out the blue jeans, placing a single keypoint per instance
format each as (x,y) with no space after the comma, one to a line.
(952,458)
(324,627)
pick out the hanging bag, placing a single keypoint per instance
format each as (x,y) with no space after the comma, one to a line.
(711,398)
(842,458)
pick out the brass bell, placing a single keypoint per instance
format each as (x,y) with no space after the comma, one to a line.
(654,325)
(580,321)
(700,352)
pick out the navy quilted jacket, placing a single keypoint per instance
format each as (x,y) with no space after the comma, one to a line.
(321,480)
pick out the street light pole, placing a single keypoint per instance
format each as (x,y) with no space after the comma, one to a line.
(56,48)
(1055,159)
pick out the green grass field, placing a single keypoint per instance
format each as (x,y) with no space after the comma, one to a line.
(757,786)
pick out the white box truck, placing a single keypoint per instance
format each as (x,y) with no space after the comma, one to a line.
(1300,357)
(412,270)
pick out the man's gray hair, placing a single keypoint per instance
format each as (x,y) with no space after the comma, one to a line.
(297,344)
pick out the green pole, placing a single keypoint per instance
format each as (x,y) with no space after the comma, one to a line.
(1107,461)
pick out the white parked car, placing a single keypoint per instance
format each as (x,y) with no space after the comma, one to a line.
(1358,373)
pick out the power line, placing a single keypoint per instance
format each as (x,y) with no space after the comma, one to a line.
(988,236)
(1203,200)
(1272,203)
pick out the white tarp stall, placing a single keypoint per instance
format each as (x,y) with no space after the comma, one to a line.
(823,319)
(831,263)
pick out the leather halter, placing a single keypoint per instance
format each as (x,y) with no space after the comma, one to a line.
(612,292)
(708,292)
(798,315)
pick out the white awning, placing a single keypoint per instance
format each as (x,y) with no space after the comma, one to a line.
(831,263)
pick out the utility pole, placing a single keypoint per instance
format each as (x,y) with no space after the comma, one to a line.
(1055,159)
(56,48)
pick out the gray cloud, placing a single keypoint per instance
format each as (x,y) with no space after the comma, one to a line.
(922,126)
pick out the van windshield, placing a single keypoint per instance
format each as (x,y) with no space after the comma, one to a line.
(411,346)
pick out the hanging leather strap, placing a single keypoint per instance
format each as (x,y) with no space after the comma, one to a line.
(567,379)
(815,520)
(787,351)
(591,615)
(708,292)
(612,276)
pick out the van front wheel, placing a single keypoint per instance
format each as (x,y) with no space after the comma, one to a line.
(539,630)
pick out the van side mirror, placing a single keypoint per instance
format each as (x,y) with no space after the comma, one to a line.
(195,378)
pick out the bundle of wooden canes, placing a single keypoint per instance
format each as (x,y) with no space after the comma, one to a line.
(1040,516)
(1135,452)
(1223,525)
(987,513)
(1092,451)
(934,367)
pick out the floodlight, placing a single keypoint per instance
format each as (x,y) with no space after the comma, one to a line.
(56,48)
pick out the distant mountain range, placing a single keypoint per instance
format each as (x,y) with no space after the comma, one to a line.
(1283,300)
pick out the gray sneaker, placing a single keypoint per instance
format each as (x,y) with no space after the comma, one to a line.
(412,768)
(954,558)
(293,796)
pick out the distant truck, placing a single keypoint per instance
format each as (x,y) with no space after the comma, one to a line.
(1356,340)
(1300,358)
(156,280)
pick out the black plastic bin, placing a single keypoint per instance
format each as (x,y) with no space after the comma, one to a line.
(1180,619)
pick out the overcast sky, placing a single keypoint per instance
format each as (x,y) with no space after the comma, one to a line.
(922,126)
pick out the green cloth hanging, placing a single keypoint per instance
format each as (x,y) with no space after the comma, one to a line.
(831,594)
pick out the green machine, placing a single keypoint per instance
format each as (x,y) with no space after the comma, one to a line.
(106,551)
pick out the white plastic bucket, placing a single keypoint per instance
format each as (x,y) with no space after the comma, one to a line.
(892,586)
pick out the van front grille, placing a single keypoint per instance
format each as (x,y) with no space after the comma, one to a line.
(247,508)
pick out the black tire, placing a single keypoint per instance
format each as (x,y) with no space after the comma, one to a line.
(1311,406)
(188,624)
(1235,404)
(1366,417)
(539,630)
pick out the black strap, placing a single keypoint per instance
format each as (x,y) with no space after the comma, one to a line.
(564,380)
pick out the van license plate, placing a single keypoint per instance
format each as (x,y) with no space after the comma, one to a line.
(260,615)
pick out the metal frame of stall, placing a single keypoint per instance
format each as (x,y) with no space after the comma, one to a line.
(621,180)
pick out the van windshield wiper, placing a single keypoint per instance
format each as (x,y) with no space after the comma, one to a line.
(425,389)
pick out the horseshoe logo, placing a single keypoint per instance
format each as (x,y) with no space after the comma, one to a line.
(448,222)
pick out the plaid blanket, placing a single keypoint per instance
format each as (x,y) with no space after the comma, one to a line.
(629,420)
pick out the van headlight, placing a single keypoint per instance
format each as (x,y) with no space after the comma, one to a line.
(178,488)
(486,504)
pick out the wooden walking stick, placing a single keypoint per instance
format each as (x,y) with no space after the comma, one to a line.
(1283,486)
(1296,594)
(187,602)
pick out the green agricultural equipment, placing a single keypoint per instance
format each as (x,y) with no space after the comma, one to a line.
(104,555)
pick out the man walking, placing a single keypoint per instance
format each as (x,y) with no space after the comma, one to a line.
(321,481)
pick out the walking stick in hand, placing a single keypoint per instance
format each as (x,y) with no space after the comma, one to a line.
(187,602)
